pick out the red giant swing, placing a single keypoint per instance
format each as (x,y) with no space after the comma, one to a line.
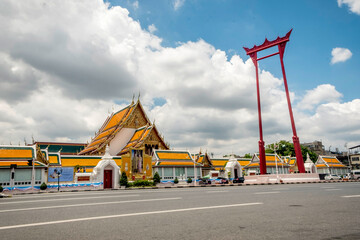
(280,42)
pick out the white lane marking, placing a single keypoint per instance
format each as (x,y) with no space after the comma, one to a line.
(126,215)
(279,189)
(89,204)
(266,192)
(68,199)
(351,196)
(332,189)
(49,195)
(216,191)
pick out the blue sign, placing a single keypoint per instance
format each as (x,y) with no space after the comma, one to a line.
(67,174)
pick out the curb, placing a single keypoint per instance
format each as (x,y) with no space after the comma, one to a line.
(2,195)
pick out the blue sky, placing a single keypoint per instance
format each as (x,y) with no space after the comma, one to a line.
(319,26)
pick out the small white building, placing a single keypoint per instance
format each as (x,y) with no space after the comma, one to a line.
(106,172)
(233,168)
(309,165)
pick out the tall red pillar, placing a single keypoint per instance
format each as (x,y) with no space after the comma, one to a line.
(261,141)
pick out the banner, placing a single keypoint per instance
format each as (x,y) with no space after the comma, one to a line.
(67,174)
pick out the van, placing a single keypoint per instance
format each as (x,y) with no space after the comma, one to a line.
(356,174)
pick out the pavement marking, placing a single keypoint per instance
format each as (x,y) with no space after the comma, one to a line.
(265,192)
(216,191)
(67,199)
(89,204)
(332,189)
(49,195)
(351,196)
(126,215)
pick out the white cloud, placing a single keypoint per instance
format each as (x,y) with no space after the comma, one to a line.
(62,72)
(136,4)
(178,4)
(340,55)
(324,93)
(354,5)
(152,28)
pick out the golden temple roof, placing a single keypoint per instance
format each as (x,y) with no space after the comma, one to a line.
(110,127)
(173,158)
(271,161)
(125,118)
(329,162)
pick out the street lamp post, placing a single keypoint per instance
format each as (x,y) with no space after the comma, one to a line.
(58,172)
(194,174)
(275,147)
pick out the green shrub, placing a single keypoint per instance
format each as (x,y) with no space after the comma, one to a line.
(43,186)
(1,188)
(124,180)
(176,180)
(142,183)
(156,178)
(189,180)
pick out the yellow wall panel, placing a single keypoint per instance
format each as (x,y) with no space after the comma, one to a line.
(54,159)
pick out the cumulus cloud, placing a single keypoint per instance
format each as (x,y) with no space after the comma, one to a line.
(354,5)
(152,28)
(61,73)
(136,4)
(324,93)
(178,4)
(340,55)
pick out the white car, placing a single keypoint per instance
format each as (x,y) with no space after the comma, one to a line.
(332,177)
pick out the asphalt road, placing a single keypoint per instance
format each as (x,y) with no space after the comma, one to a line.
(292,211)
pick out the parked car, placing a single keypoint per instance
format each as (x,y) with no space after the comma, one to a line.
(332,177)
(239,180)
(221,180)
(356,174)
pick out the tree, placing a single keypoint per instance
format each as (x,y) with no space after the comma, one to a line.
(156,178)
(123,179)
(189,180)
(248,155)
(285,148)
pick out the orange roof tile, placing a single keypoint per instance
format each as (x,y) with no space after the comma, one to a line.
(116,118)
(173,155)
(16,153)
(176,163)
